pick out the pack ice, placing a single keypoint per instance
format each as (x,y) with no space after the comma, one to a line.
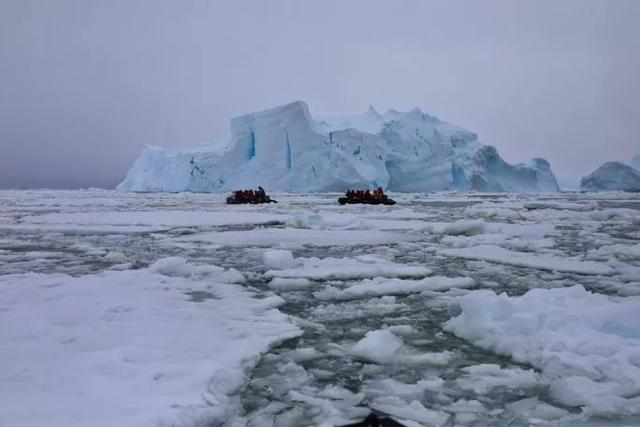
(285,149)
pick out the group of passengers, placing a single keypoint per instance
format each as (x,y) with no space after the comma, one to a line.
(366,196)
(251,196)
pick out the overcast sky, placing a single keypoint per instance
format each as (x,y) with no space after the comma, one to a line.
(84,84)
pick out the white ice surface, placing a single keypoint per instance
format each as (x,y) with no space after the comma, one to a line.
(296,238)
(384,347)
(94,231)
(587,345)
(167,218)
(364,266)
(129,348)
(527,259)
(383,286)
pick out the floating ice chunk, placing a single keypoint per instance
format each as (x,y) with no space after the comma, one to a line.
(378,346)
(330,411)
(278,259)
(414,411)
(128,348)
(623,252)
(179,267)
(382,346)
(288,238)
(525,259)
(302,354)
(366,266)
(358,310)
(172,266)
(226,275)
(381,286)
(459,228)
(305,219)
(484,377)
(402,329)
(336,392)
(157,220)
(285,284)
(466,411)
(408,392)
(586,345)
(533,411)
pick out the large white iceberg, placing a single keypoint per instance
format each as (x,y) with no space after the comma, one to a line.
(612,176)
(285,149)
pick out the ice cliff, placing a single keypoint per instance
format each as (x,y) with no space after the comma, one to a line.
(612,176)
(285,149)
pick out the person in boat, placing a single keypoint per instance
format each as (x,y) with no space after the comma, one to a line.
(261,195)
(378,195)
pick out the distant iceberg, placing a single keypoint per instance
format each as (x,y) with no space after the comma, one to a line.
(285,149)
(612,176)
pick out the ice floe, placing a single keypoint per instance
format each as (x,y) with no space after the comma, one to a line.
(364,266)
(587,345)
(129,348)
(382,286)
(527,259)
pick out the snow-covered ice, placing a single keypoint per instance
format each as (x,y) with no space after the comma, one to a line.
(527,259)
(446,309)
(586,345)
(130,347)
(340,268)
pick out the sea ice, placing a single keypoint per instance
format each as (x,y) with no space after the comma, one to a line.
(526,259)
(364,266)
(128,348)
(586,345)
(381,286)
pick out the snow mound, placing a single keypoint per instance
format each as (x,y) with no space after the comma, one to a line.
(285,149)
(612,176)
(586,345)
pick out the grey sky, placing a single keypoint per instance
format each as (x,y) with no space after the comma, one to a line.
(84,84)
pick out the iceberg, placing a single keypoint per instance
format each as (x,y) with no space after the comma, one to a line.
(635,162)
(612,176)
(286,149)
